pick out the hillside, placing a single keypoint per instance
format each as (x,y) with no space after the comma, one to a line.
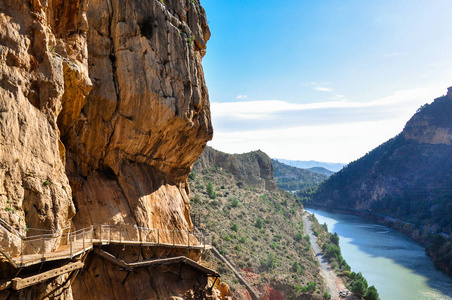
(321,170)
(293,179)
(246,217)
(408,178)
(307,164)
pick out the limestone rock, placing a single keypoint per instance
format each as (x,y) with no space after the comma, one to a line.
(253,168)
(103,111)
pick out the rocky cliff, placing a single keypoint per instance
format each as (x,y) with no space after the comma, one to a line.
(251,169)
(103,111)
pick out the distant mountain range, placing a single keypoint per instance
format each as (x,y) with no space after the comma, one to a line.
(334,167)
(292,178)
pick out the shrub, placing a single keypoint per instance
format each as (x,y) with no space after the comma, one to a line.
(210,191)
(259,223)
(271,261)
(243,240)
(235,202)
(235,227)
(326,295)
(310,287)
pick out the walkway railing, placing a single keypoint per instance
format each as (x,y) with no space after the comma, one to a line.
(23,251)
(119,234)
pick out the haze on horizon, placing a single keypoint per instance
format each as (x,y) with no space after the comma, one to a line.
(322,80)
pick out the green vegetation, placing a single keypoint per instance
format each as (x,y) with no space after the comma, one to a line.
(411,174)
(210,191)
(329,242)
(258,230)
(294,179)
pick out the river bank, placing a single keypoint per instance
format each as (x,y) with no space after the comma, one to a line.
(394,263)
(437,244)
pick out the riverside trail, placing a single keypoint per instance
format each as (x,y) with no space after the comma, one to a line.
(333,283)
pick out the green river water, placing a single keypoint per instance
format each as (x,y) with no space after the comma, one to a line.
(395,264)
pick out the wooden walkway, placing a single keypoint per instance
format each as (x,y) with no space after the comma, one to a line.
(65,245)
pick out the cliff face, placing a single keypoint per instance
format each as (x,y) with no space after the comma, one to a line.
(103,110)
(407,177)
(253,168)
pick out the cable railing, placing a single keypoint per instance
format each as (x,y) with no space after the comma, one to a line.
(123,234)
(23,250)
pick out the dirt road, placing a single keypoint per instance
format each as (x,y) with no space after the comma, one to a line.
(333,283)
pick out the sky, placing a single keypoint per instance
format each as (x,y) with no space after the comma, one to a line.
(322,80)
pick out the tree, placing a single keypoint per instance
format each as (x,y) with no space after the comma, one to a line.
(210,191)
(359,287)
(372,293)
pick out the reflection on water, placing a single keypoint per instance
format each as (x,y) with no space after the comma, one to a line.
(396,265)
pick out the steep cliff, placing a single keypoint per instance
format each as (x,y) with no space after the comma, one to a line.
(103,111)
(251,169)
(408,178)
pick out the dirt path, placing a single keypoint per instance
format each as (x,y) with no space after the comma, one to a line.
(333,283)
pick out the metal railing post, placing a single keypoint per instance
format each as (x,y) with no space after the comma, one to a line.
(42,245)
(83,232)
(120,234)
(174,231)
(100,234)
(188,237)
(22,252)
(110,235)
(204,236)
(92,234)
(158,236)
(70,243)
(140,234)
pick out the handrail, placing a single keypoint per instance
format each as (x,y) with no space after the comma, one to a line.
(48,246)
(10,228)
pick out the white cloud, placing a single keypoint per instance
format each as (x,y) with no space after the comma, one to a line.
(323,89)
(242,96)
(338,131)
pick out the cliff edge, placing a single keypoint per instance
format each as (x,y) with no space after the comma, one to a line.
(103,111)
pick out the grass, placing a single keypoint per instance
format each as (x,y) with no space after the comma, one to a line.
(259,231)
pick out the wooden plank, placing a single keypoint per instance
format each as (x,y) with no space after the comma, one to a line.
(20,283)
(155,262)
(4,284)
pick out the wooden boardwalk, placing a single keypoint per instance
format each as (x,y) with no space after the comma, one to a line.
(57,246)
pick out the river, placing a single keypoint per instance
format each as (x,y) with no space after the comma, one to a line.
(395,264)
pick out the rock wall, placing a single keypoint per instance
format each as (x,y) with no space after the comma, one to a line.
(253,168)
(103,111)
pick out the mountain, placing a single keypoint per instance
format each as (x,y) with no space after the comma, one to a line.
(293,179)
(103,111)
(255,225)
(321,170)
(408,179)
(334,167)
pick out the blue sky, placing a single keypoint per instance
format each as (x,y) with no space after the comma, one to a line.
(322,80)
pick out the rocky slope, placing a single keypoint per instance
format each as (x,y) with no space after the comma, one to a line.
(254,224)
(250,169)
(408,178)
(103,110)
(294,179)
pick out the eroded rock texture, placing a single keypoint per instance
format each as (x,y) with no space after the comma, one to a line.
(103,111)
(249,169)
